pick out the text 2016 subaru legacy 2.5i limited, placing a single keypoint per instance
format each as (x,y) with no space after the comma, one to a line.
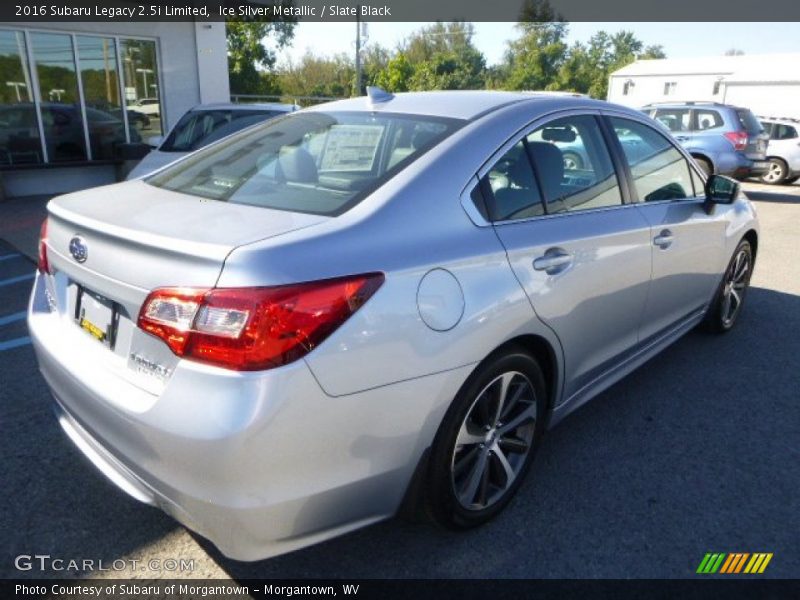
(374,304)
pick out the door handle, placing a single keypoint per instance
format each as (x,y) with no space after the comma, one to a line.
(554,261)
(682,138)
(664,239)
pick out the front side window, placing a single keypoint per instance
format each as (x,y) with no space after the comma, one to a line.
(312,162)
(199,128)
(659,170)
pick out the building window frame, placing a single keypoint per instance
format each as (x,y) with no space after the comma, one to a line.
(35,93)
(628,86)
(670,87)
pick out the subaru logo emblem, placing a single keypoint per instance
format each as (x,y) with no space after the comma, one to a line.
(78,249)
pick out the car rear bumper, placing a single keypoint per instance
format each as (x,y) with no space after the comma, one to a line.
(736,164)
(258,463)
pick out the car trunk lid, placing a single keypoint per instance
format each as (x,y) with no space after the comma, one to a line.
(148,237)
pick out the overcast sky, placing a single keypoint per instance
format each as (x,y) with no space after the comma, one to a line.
(678,39)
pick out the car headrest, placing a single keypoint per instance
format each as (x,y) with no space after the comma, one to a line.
(422,138)
(550,167)
(298,166)
(520,173)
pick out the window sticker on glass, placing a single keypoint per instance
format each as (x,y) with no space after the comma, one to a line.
(351,148)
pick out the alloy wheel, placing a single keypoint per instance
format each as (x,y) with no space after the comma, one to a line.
(775,174)
(735,285)
(494,441)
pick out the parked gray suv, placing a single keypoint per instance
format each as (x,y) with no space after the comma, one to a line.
(723,139)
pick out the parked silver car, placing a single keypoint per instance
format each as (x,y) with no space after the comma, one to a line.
(783,153)
(202,125)
(373,303)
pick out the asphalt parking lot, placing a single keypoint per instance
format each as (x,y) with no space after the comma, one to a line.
(698,451)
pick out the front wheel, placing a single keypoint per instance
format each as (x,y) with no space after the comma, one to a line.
(486,441)
(729,299)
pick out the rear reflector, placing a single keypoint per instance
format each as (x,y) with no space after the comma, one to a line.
(252,329)
(43,264)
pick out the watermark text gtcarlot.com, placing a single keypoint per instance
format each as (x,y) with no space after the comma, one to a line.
(46,562)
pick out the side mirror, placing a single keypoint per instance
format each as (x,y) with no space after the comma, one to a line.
(721,189)
(155,141)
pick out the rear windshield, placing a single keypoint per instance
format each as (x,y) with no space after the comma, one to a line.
(319,163)
(749,121)
(199,128)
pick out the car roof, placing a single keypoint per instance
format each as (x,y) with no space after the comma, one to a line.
(782,120)
(691,104)
(465,105)
(278,106)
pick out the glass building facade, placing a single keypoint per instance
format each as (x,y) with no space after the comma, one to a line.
(74,97)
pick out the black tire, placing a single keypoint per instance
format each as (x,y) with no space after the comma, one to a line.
(719,318)
(704,165)
(445,471)
(791,180)
(778,172)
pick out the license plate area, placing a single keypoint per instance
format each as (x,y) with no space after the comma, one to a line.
(97,316)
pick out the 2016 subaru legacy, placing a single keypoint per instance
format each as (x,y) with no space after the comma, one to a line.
(373,304)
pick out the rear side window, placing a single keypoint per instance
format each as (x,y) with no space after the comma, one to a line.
(510,186)
(783,132)
(563,166)
(586,177)
(674,119)
(312,162)
(748,121)
(708,119)
(659,170)
(199,128)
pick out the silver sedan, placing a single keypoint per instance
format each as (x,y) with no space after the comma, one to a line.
(373,304)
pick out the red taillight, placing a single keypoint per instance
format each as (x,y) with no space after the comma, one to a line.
(43,264)
(738,139)
(251,329)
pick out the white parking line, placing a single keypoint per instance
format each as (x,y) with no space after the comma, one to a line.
(12,318)
(9,256)
(15,343)
(17,279)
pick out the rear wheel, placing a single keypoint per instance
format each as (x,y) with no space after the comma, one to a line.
(777,173)
(729,299)
(486,441)
(705,165)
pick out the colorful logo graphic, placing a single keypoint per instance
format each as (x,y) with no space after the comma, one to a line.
(734,562)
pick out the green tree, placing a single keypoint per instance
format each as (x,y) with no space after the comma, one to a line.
(396,76)
(318,76)
(533,60)
(248,57)
(441,56)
